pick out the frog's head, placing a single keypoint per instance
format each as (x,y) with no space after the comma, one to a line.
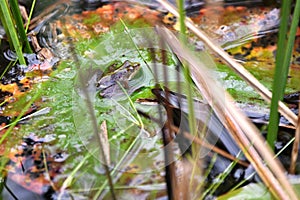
(132,69)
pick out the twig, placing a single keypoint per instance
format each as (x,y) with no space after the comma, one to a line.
(104,137)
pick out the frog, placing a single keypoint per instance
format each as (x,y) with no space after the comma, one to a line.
(108,83)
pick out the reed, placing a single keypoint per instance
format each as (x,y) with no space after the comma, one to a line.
(283,57)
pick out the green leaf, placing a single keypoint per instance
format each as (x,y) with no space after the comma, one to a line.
(251,191)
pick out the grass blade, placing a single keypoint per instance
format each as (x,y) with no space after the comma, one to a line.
(191,116)
(279,77)
(30,15)
(19,23)
(283,57)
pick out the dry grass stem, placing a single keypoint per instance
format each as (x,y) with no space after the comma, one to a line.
(104,137)
(294,155)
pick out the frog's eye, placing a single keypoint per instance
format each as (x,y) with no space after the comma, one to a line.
(223,28)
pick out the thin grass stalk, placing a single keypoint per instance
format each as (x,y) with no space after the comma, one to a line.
(180,4)
(37,19)
(68,181)
(290,42)
(128,115)
(12,30)
(241,128)
(19,23)
(238,68)
(140,122)
(30,15)
(39,112)
(9,190)
(46,173)
(186,71)
(3,21)
(11,63)
(134,44)
(280,76)
(213,161)
(121,162)
(221,177)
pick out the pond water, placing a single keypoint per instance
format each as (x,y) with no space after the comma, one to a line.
(54,152)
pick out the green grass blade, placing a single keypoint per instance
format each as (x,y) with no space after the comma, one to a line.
(19,23)
(180,4)
(281,70)
(30,15)
(12,31)
(6,68)
(137,115)
(291,41)
(72,175)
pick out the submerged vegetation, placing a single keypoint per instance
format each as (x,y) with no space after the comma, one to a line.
(134,110)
